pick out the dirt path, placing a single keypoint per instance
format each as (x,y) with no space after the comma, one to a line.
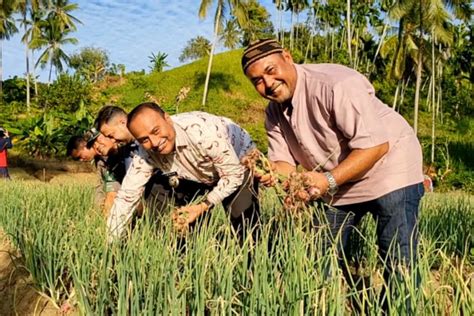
(17,294)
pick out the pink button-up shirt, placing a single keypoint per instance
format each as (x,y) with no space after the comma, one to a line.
(334,110)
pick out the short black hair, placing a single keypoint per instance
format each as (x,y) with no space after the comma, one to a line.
(75,143)
(107,113)
(139,108)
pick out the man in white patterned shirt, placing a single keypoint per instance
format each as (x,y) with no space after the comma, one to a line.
(194,146)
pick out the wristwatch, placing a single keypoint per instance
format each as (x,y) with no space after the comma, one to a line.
(332,183)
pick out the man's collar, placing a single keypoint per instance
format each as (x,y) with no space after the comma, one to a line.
(180,140)
(299,81)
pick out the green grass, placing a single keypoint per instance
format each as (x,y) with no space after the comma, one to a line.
(155,272)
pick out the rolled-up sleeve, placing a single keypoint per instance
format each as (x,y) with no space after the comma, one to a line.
(133,185)
(278,149)
(356,116)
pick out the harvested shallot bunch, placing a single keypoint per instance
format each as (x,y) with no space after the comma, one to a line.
(256,162)
(299,192)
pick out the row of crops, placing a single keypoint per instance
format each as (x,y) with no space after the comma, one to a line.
(210,271)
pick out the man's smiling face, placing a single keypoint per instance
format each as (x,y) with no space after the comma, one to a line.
(154,131)
(274,77)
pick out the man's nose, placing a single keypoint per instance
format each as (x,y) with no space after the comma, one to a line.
(154,140)
(268,81)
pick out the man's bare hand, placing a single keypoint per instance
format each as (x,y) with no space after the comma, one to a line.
(186,215)
(317,182)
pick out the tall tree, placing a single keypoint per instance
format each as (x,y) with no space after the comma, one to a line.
(295,7)
(30,12)
(33,22)
(237,10)
(230,35)
(60,11)
(7,29)
(91,63)
(258,24)
(55,29)
(53,39)
(196,48)
(280,5)
(417,19)
(158,61)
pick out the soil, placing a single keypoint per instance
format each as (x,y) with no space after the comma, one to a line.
(17,294)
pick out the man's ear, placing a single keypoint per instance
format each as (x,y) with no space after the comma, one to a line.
(167,118)
(287,56)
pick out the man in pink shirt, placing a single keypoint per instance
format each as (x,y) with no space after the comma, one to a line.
(359,153)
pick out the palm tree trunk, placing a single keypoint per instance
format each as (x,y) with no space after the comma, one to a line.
(356,53)
(209,65)
(433,97)
(395,98)
(291,32)
(27,79)
(395,63)
(417,90)
(439,112)
(419,69)
(50,71)
(280,20)
(34,73)
(332,45)
(326,41)
(379,46)
(348,21)
(403,90)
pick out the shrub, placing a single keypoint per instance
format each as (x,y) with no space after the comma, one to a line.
(14,90)
(65,94)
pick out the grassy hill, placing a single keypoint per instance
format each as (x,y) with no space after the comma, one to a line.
(230,92)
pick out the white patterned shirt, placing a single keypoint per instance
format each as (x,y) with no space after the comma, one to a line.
(208,150)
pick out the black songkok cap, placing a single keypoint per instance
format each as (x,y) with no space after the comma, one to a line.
(90,136)
(259,49)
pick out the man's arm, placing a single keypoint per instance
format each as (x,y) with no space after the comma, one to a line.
(356,164)
(129,195)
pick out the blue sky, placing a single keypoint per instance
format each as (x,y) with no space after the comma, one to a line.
(129,31)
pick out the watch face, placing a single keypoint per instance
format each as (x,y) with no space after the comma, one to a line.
(332,190)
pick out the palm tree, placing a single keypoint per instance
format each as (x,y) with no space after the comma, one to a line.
(280,5)
(59,10)
(158,61)
(196,48)
(7,29)
(296,7)
(54,30)
(32,22)
(230,35)
(349,33)
(53,39)
(31,16)
(423,16)
(236,9)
